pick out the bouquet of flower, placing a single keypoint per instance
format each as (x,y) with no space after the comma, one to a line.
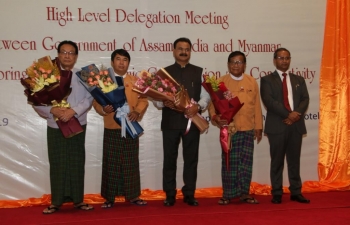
(99,78)
(107,89)
(42,73)
(162,86)
(226,105)
(46,85)
(46,82)
(103,85)
(159,86)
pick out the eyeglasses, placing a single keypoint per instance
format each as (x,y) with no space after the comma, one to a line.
(239,63)
(68,53)
(283,58)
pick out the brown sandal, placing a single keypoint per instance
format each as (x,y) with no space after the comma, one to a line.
(83,206)
(249,199)
(138,202)
(51,209)
(224,201)
(107,205)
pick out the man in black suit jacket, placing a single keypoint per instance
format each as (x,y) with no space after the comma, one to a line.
(285,127)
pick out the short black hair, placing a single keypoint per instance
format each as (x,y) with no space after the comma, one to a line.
(279,50)
(65,42)
(236,53)
(182,39)
(121,52)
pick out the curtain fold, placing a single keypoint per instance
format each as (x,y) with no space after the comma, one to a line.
(334,127)
(147,194)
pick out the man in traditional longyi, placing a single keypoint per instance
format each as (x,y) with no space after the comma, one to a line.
(120,166)
(67,155)
(236,173)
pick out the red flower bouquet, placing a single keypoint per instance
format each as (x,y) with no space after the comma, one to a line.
(226,105)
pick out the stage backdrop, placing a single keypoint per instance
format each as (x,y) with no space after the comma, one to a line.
(147,29)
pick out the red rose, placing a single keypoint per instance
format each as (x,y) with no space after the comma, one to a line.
(222,87)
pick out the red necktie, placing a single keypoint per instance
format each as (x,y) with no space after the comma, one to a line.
(285,92)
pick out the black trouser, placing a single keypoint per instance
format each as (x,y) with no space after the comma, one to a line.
(285,145)
(190,145)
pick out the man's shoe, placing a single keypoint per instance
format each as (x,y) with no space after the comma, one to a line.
(276,199)
(191,201)
(169,202)
(299,198)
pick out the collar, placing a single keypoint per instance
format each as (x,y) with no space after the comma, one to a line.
(280,73)
(236,78)
(117,75)
(178,65)
(65,69)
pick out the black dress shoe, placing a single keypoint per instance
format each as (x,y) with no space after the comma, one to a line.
(191,201)
(299,198)
(276,199)
(169,202)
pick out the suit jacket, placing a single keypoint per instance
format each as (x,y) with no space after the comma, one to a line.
(135,104)
(272,96)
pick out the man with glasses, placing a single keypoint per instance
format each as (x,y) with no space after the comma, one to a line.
(286,99)
(174,125)
(67,155)
(237,173)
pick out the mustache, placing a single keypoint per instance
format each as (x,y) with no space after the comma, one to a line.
(183,54)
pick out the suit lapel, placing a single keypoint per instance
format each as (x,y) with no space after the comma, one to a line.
(277,80)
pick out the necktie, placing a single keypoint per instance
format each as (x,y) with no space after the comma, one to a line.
(285,92)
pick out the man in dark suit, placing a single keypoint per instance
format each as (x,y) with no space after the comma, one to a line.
(286,99)
(174,125)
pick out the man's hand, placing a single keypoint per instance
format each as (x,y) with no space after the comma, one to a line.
(258,135)
(219,121)
(65,114)
(288,121)
(57,111)
(133,116)
(294,116)
(191,111)
(169,104)
(108,109)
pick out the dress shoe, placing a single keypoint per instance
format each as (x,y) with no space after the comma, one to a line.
(169,202)
(299,198)
(276,199)
(191,201)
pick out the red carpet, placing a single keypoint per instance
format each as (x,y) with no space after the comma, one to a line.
(325,208)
